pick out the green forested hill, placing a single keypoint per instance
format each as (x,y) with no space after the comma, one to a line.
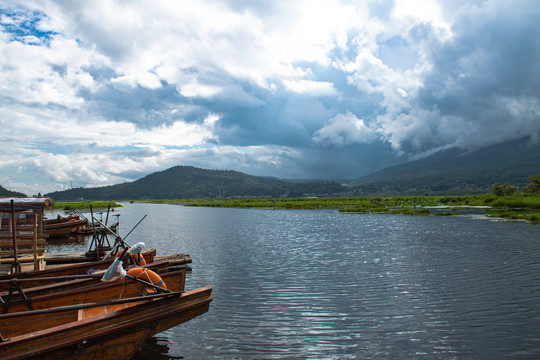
(447,172)
(454,171)
(7,193)
(186,182)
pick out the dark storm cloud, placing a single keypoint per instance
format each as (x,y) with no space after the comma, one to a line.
(296,89)
(486,76)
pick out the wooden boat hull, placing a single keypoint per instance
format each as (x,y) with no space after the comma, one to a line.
(68,282)
(116,335)
(175,281)
(64,228)
(74,269)
(89,230)
(71,269)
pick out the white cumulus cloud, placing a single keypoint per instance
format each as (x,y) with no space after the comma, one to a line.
(344,129)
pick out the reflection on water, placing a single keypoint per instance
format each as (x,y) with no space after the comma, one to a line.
(155,348)
(319,284)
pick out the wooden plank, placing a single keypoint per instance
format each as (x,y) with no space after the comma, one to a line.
(35,244)
(15,324)
(73,269)
(175,281)
(46,285)
(20,251)
(175,258)
(20,259)
(28,236)
(22,243)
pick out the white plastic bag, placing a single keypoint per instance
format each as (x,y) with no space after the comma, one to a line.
(137,248)
(115,271)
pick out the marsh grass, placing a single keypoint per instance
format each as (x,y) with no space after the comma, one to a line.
(518,206)
(410,211)
(85,204)
(447,213)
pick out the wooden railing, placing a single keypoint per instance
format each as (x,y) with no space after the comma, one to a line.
(30,244)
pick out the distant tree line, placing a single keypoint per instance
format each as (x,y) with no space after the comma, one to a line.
(505,189)
(8,193)
(183,182)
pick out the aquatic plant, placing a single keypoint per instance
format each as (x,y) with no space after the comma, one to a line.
(410,211)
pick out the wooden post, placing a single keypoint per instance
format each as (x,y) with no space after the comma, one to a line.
(40,224)
(36,263)
(16,266)
(41,235)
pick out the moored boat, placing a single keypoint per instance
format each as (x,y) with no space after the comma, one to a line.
(92,293)
(92,331)
(53,274)
(89,230)
(79,316)
(64,226)
(32,287)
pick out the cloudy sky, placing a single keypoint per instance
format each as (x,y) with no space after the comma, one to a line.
(102,92)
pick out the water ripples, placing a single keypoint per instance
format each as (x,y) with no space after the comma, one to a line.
(319,284)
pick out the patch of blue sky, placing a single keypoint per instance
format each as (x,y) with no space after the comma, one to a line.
(51,148)
(397,53)
(24,26)
(133,150)
(142,148)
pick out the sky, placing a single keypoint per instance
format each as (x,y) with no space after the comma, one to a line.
(102,92)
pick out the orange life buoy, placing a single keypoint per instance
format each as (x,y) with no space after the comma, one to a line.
(138,259)
(147,275)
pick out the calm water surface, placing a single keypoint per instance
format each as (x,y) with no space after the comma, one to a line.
(323,285)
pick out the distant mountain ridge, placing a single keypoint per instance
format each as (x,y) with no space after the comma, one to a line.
(450,171)
(8,193)
(457,170)
(187,182)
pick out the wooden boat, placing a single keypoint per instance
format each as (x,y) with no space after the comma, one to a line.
(32,287)
(64,226)
(175,281)
(89,230)
(97,332)
(73,269)
(78,257)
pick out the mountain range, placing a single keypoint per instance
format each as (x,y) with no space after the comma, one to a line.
(460,171)
(7,193)
(451,171)
(187,182)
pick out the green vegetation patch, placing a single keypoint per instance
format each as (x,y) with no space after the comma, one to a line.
(447,213)
(530,201)
(85,204)
(523,206)
(410,211)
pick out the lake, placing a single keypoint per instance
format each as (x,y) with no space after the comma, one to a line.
(317,284)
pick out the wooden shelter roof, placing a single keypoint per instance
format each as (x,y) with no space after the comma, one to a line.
(22,204)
